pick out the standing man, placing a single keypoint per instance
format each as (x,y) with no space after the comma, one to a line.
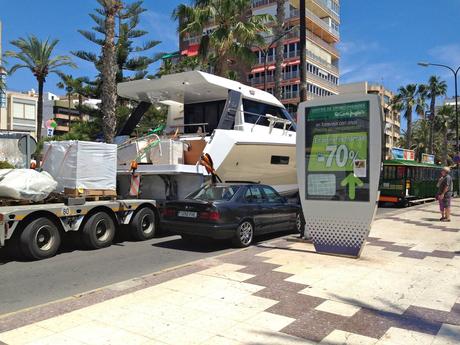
(445,191)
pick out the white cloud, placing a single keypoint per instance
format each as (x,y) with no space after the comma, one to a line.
(358,47)
(448,54)
(161,27)
(372,72)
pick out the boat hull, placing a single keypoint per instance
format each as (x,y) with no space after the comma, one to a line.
(253,159)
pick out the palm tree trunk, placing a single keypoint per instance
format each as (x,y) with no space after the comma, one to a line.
(444,146)
(432,117)
(41,83)
(279,53)
(109,73)
(409,129)
(70,105)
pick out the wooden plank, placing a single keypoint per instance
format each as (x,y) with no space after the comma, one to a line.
(90,192)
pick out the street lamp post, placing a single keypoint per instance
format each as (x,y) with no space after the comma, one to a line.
(455,72)
(267,49)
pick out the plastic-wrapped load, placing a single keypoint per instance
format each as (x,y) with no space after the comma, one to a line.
(81,165)
(25,184)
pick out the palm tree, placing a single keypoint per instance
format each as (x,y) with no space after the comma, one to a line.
(408,99)
(36,55)
(279,51)
(2,84)
(110,10)
(234,31)
(435,88)
(444,119)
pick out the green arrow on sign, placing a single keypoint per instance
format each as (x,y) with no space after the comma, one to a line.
(352,181)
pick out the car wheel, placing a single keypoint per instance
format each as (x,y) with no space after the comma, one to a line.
(40,239)
(99,231)
(244,234)
(143,226)
(299,225)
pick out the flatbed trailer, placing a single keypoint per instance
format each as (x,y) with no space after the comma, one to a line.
(36,229)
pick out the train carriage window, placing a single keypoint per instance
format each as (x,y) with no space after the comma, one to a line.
(400,172)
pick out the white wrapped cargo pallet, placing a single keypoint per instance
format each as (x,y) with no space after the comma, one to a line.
(81,165)
(25,184)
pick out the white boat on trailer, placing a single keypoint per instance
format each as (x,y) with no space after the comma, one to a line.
(246,131)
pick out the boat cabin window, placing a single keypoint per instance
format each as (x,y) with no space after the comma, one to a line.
(205,115)
(255,112)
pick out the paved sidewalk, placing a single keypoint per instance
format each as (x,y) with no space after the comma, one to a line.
(405,289)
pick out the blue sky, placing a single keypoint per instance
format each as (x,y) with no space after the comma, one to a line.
(381,41)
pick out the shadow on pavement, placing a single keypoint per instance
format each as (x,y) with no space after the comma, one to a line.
(204,245)
(71,242)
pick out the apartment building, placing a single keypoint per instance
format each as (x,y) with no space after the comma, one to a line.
(19,112)
(392,117)
(323,20)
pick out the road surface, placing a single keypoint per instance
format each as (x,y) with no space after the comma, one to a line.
(73,271)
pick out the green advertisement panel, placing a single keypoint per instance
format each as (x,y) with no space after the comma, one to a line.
(337,152)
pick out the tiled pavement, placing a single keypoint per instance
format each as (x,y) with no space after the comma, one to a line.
(405,289)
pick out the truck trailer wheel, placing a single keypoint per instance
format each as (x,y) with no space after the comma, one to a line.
(98,231)
(143,226)
(40,239)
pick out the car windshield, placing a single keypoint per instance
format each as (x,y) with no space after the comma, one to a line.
(214,193)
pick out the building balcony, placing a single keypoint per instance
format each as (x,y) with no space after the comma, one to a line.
(192,40)
(317,25)
(260,3)
(62,129)
(323,7)
(290,95)
(295,34)
(271,78)
(296,55)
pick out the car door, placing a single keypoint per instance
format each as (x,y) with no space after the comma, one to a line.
(278,208)
(257,209)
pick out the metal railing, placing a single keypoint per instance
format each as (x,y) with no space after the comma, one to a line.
(193,39)
(272,120)
(271,78)
(257,3)
(315,19)
(291,75)
(325,5)
(290,94)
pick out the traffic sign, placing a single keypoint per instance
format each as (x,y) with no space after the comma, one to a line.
(27,145)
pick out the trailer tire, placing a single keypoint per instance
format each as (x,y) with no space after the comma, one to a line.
(40,239)
(98,231)
(143,225)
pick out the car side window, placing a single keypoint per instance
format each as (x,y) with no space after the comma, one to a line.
(253,194)
(271,195)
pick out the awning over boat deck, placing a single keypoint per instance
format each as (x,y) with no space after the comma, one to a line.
(189,87)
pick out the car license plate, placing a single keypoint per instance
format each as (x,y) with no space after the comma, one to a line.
(187,214)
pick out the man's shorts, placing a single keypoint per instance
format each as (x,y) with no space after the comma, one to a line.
(445,202)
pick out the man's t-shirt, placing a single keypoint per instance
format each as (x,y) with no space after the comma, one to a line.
(446,182)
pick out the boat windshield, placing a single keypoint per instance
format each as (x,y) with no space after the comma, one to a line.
(214,193)
(256,113)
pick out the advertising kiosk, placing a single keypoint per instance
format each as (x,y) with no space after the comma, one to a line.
(339,149)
